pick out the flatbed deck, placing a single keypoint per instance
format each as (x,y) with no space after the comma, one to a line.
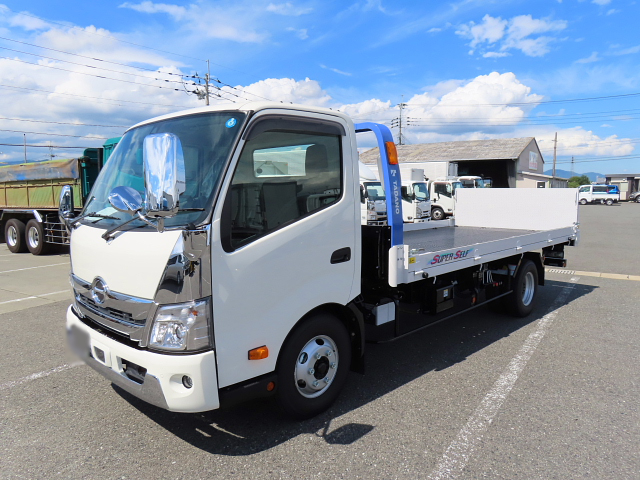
(436,251)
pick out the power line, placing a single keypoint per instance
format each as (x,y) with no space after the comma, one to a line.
(83,65)
(35,146)
(93,98)
(54,134)
(65,123)
(108,36)
(87,57)
(89,74)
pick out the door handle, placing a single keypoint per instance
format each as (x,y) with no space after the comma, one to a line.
(341,255)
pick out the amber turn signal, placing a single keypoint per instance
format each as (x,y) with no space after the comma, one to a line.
(259,353)
(392,153)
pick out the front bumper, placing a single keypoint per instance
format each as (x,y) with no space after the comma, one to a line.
(161,381)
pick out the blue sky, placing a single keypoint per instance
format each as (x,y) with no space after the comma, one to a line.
(465,69)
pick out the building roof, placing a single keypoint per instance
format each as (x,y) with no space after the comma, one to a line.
(622,175)
(495,149)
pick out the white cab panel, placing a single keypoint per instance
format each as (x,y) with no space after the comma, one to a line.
(131,263)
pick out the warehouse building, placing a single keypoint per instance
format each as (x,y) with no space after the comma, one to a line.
(509,162)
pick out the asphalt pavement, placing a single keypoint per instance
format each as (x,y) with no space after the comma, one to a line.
(552,396)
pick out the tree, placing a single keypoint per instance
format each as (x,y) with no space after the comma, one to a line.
(577,181)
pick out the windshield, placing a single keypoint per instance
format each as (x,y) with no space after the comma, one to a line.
(206,139)
(374,191)
(456,185)
(421,191)
(472,183)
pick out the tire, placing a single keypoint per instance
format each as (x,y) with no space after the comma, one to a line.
(35,238)
(609,201)
(14,235)
(583,201)
(521,301)
(638,199)
(437,213)
(313,366)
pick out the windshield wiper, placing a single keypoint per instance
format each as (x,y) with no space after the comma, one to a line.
(92,214)
(194,209)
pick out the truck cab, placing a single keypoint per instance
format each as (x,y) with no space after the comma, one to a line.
(443,197)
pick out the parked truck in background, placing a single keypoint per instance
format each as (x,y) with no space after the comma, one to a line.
(29,194)
(200,281)
(373,205)
(416,200)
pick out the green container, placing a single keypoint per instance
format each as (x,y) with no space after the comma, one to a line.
(109,145)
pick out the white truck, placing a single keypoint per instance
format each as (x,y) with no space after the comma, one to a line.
(373,203)
(200,279)
(416,203)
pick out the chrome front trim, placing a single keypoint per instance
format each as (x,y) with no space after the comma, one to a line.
(187,275)
(119,312)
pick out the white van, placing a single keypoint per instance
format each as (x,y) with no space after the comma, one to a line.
(608,194)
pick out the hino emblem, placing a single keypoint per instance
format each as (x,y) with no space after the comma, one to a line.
(99,290)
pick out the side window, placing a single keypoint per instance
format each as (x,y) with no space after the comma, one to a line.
(441,189)
(584,189)
(281,176)
(600,189)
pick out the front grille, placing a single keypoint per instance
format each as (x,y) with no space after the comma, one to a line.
(109,313)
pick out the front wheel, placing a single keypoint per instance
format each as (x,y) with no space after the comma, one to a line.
(313,366)
(521,300)
(583,201)
(638,199)
(35,238)
(437,213)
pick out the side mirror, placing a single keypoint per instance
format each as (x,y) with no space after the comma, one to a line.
(125,199)
(363,194)
(164,175)
(65,205)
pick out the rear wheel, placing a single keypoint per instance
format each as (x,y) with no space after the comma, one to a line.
(14,236)
(313,366)
(35,238)
(521,300)
(609,201)
(437,213)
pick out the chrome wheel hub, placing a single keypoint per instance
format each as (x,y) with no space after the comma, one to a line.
(316,366)
(528,289)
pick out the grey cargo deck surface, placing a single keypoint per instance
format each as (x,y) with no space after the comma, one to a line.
(449,238)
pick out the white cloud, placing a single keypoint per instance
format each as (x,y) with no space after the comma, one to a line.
(601,2)
(612,11)
(240,21)
(522,32)
(335,70)
(496,54)
(490,30)
(176,11)
(288,9)
(590,59)
(302,33)
(288,90)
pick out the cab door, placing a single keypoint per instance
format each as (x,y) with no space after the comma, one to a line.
(284,236)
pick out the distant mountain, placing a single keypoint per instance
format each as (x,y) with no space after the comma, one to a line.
(567,174)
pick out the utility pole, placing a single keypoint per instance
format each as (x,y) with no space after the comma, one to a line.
(397,122)
(206,86)
(555,146)
(25,147)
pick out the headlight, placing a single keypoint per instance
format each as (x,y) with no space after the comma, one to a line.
(183,326)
